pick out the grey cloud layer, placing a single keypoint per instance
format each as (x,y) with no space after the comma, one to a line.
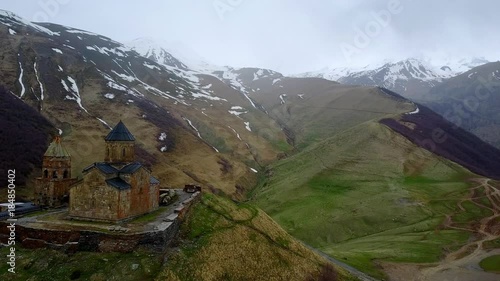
(288,36)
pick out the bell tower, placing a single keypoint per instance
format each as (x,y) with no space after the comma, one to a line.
(56,162)
(120,145)
(52,188)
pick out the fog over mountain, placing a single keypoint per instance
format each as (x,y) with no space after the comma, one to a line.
(289,36)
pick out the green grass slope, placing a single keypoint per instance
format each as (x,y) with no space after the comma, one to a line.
(368,194)
(225,241)
(491,264)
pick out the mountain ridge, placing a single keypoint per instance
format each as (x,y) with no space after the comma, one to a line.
(409,77)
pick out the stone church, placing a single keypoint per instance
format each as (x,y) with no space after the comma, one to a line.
(52,189)
(118,188)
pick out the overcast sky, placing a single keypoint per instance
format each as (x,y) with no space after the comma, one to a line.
(289,35)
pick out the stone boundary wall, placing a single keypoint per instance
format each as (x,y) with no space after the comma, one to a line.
(71,241)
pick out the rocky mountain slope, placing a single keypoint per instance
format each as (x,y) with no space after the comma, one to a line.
(22,129)
(471,101)
(83,83)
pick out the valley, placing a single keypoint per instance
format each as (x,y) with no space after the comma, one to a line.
(301,176)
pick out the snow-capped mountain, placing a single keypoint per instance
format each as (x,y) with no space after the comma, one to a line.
(411,77)
(150,49)
(459,66)
(245,80)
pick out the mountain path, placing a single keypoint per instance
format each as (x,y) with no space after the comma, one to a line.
(462,264)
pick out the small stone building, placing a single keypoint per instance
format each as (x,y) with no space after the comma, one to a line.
(118,188)
(52,189)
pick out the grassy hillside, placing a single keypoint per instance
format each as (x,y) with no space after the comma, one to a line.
(368,194)
(315,109)
(223,241)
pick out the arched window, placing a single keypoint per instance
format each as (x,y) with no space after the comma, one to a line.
(54,175)
(123,152)
(45,174)
(66,174)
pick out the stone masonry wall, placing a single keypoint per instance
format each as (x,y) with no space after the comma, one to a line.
(71,241)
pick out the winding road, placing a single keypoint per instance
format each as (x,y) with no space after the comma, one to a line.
(360,275)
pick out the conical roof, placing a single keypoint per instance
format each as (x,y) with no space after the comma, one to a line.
(56,149)
(120,133)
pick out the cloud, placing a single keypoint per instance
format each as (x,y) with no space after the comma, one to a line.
(289,36)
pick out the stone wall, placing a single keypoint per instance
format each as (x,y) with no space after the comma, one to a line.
(115,240)
(91,198)
(52,193)
(119,152)
(143,196)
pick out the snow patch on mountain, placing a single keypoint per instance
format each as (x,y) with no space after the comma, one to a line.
(163,136)
(282,98)
(23,89)
(78,31)
(237,110)
(105,123)
(237,135)
(74,91)
(39,82)
(9,18)
(494,74)
(206,96)
(417,110)
(197,132)
(124,76)
(119,51)
(150,66)
(471,74)
(247,126)
(192,126)
(116,86)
